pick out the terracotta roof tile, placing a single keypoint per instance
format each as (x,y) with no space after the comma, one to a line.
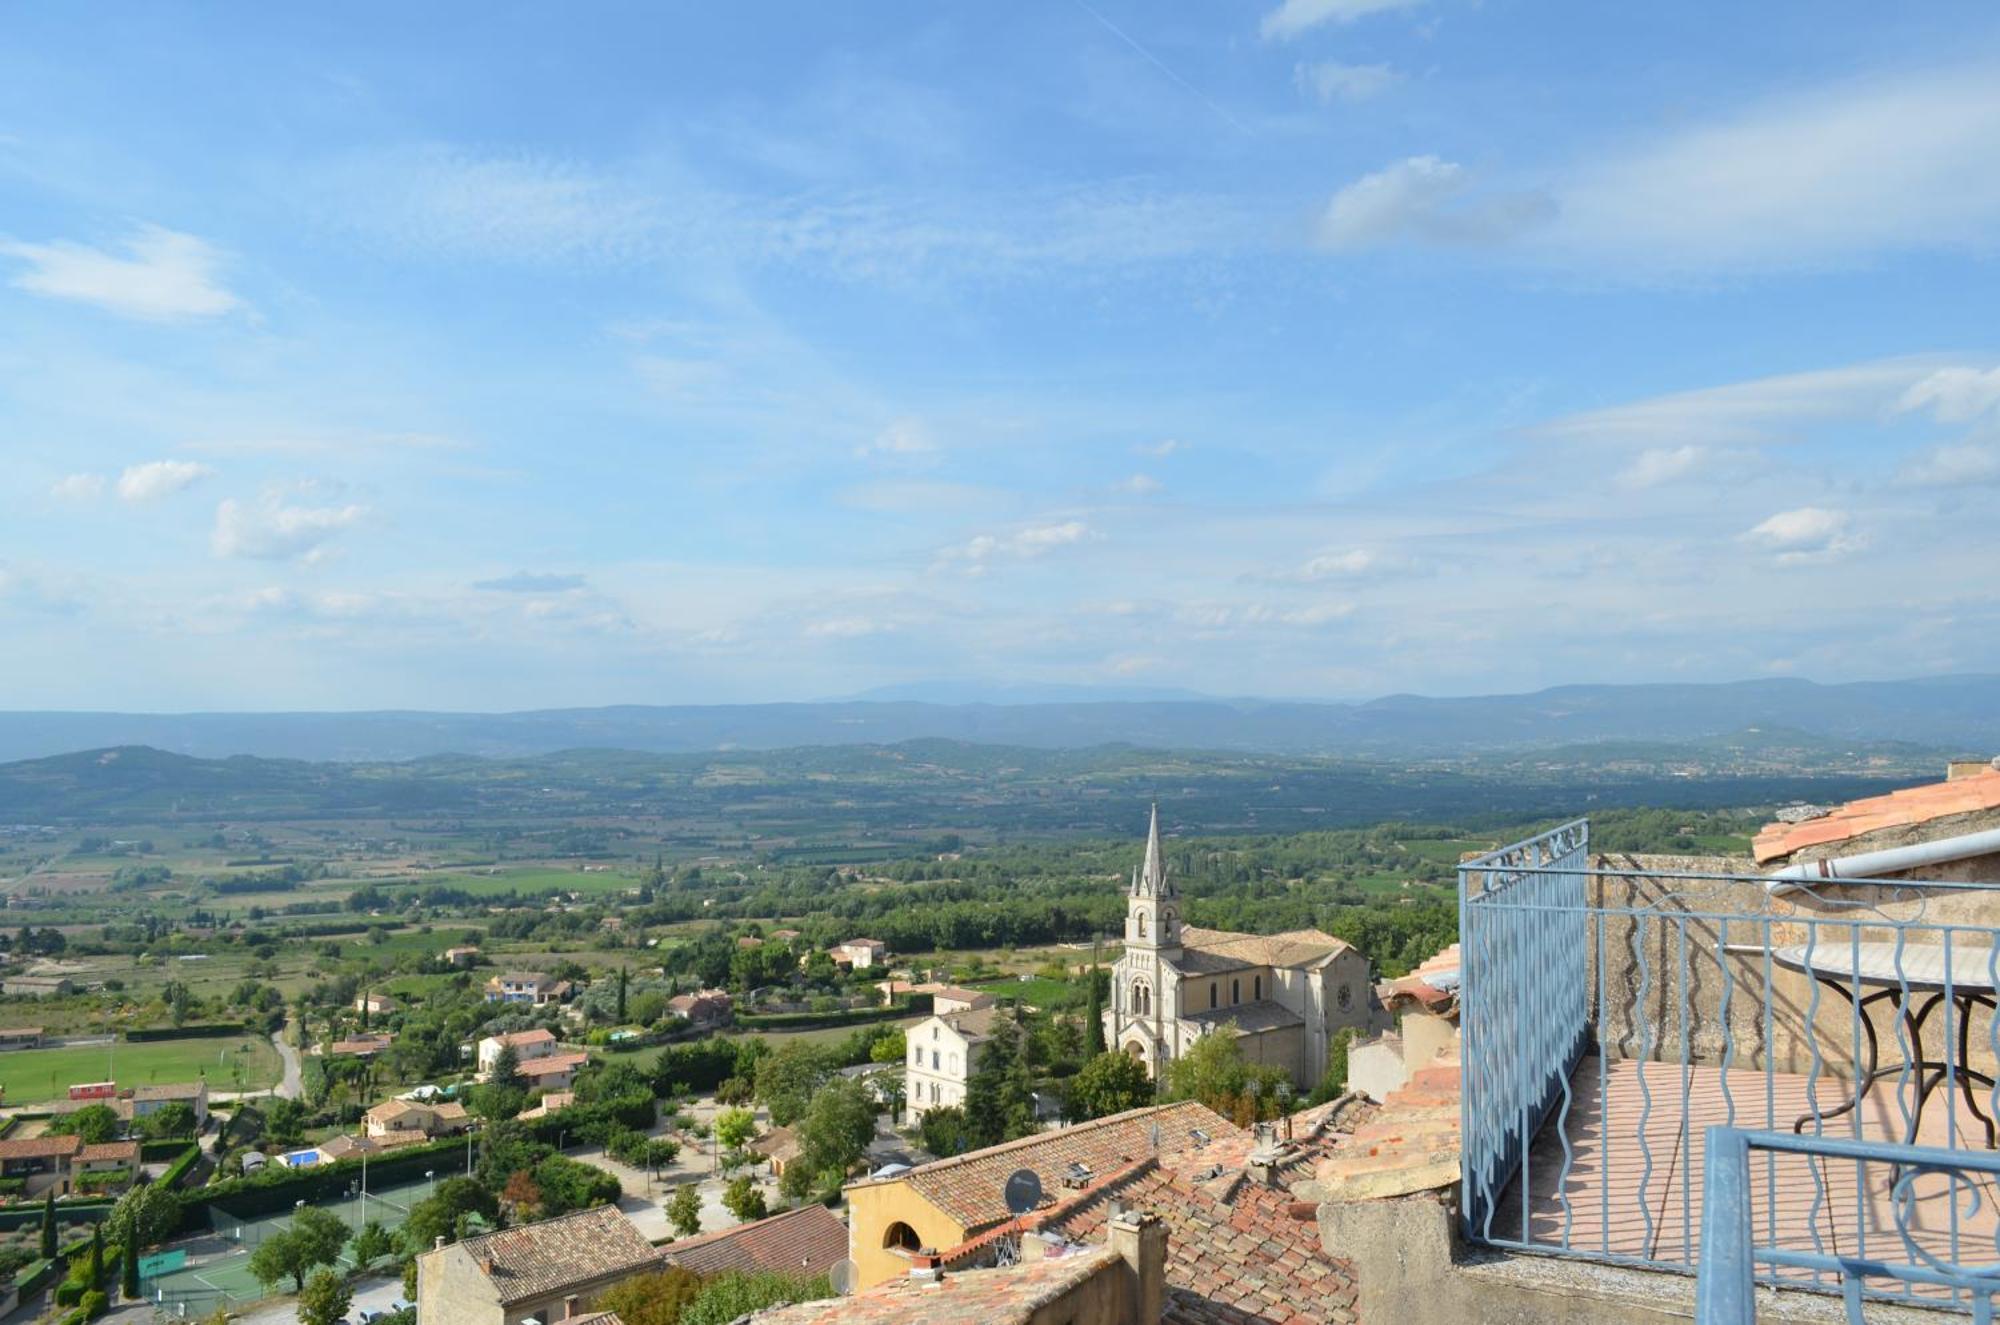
(809,1240)
(39,1147)
(973,1297)
(1906,808)
(969,1187)
(547,1258)
(121,1152)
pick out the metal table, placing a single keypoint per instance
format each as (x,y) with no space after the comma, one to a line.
(1913,977)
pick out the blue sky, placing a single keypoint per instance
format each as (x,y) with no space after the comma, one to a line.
(522,355)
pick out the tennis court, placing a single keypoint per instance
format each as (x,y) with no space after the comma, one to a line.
(218,1268)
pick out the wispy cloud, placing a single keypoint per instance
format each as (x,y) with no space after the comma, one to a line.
(159,478)
(161,276)
(523,581)
(1425,199)
(1331,81)
(982,550)
(272,529)
(1138,485)
(901,440)
(1955,395)
(78,487)
(1350,564)
(1959,465)
(1293,17)
(1161,449)
(1827,176)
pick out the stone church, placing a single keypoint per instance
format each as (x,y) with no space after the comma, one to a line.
(1284,996)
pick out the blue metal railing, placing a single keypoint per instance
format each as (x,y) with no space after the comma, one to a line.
(1914,1261)
(1522,932)
(1610,1014)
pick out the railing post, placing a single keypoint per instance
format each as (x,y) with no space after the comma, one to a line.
(1725,1293)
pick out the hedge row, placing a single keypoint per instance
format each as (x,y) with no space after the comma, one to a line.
(771,1021)
(208,1030)
(30,1212)
(163,1147)
(261,1194)
(178,1170)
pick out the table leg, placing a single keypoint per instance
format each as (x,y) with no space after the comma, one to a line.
(1863,1078)
(1966,1076)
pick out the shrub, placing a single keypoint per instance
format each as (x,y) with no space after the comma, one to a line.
(94,1304)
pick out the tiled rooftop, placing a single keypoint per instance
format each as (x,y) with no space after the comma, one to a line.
(552,1065)
(554,1255)
(973,1297)
(1899,809)
(969,1187)
(1237,1252)
(38,1147)
(809,1240)
(116,1152)
(1297,947)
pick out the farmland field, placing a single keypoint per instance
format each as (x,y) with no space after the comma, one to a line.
(32,1076)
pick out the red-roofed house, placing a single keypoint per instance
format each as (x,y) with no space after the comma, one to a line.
(810,1240)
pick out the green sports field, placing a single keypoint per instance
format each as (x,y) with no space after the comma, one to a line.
(32,1076)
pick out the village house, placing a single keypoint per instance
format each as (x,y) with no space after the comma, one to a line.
(31,1156)
(361,1046)
(1283,996)
(463,956)
(527,1045)
(105,1157)
(779,1146)
(707,1007)
(547,1271)
(554,1102)
(810,1240)
(530,987)
(944,1053)
(149,1100)
(374,1005)
(947,999)
(860,954)
(414,1118)
(557,1072)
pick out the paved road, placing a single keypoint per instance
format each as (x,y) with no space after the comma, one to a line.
(292,1085)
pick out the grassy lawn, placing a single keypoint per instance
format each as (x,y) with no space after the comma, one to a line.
(32,1076)
(1037,990)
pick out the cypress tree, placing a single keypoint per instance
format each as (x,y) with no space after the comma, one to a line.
(128,1280)
(96,1254)
(49,1227)
(1093,1026)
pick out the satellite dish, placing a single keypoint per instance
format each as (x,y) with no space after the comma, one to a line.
(843,1275)
(1024,1191)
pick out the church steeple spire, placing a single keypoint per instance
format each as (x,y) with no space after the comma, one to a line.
(1152,918)
(1152,878)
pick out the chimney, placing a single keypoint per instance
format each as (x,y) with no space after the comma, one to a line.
(1968,768)
(1140,1239)
(926,1266)
(439,1244)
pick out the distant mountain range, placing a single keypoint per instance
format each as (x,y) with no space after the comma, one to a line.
(1954,713)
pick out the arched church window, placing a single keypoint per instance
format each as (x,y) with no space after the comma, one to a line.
(1212,995)
(1142,924)
(1235,992)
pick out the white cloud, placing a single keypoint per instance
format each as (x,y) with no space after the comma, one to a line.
(1911,163)
(1756,410)
(1293,17)
(78,487)
(847,627)
(159,478)
(980,551)
(1810,533)
(271,530)
(1426,199)
(1965,464)
(1160,450)
(165,276)
(1332,81)
(1346,564)
(904,439)
(1663,464)
(523,581)
(1955,395)
(1138,485)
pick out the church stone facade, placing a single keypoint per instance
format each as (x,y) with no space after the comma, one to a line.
(1284,996)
